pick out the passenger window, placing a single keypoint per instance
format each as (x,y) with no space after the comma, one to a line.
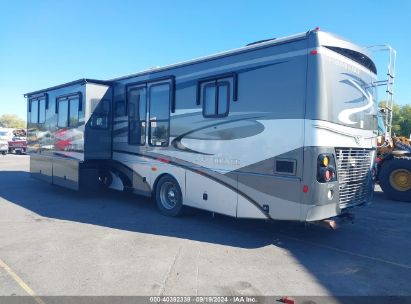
(34,114)
(137,116)
(62,119)
(223,98)
(68,108)
(209,100)
(159,115)
(42,111)
(216,99)
(74,109)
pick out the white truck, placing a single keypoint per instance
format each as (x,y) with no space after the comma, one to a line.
(6,134)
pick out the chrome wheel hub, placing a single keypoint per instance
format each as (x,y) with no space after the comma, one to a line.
(168,195)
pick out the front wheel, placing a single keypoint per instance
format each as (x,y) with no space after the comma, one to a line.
(395,178)
(169,198)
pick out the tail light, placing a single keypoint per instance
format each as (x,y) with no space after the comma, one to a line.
(326,168)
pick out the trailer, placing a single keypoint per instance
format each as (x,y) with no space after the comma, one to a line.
(279,129)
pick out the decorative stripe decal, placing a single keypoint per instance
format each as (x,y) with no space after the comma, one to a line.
(203,173)
(344,115)
(176,142)
(342,132)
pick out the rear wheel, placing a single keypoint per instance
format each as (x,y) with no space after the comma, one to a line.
(169,198)
(395,178)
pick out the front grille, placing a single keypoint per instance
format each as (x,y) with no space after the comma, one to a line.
(353,166)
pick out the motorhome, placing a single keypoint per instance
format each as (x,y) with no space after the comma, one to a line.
(279,129)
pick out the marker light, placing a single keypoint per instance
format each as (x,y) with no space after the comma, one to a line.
(326,168)
(314,52)
(163,160)
(327,175)
(324,160)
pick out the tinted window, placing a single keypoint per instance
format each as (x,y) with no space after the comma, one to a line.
(216,98)
(159,114)
(137,116)
(160,102)
(74,109)
(356,56)
(34,111)
(209,100)
(42,111)
(223,98)
(62,119)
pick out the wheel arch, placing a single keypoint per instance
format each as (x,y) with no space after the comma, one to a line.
(119,169)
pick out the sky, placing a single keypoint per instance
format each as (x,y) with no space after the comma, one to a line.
(45,43)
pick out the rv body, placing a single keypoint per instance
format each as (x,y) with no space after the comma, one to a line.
(244,133)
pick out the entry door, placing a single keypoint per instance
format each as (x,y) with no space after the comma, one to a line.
(159,114)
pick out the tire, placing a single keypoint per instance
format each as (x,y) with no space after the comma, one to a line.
(395,178)
(169,198)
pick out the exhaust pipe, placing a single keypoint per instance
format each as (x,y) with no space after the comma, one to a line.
(335,222)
